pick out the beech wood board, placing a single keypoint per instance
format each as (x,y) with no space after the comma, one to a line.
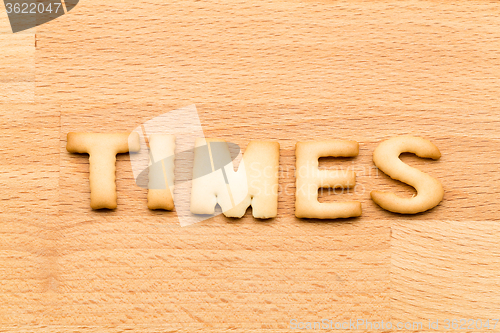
(262,70)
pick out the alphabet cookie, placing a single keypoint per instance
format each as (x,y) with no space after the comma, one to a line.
(309,179)
(102,149)
(429,190)
(161,171)
(255,183)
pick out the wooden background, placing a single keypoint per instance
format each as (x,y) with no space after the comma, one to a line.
(275,70)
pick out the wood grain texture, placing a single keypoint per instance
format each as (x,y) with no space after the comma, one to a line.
(274,70)
(17,63)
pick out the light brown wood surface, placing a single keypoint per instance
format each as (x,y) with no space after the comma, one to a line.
(274,70)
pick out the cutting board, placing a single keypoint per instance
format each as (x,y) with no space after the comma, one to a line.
(284,71)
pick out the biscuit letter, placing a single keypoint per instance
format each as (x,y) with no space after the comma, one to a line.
(255,183)
(310,179)
(161,171)
(102,149)
(429,190)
